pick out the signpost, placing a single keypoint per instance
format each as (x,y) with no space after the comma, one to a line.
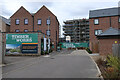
(48,34)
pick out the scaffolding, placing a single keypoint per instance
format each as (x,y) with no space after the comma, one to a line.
(77,29)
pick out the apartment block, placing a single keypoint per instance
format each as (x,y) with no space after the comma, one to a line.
(101,20)
(77,29)
(24,21)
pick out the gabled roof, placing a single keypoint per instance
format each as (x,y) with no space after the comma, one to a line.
(19,9)
(111,32)
(7,21)
(44,7)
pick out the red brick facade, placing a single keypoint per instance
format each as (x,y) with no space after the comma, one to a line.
(21,14)
(104,24)
(105,45)
(43,13)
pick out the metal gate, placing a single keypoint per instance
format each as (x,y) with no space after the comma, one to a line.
(116,49)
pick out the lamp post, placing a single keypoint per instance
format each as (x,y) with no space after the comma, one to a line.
(48,33)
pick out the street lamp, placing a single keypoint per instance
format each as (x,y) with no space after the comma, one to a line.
(48,33)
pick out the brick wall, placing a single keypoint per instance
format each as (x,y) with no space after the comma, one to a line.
(105,45)
(21,14)
(4,27)
(43,14)
(0,48)
(104,24)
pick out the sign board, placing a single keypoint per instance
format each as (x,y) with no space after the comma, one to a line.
(48,44)
(74,45)
(45,43)
(20,43)
(21,38)
(29,48)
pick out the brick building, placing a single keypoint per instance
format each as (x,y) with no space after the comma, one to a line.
(107,41)
(101,20)
(4,24)
(24,21)
(4,27)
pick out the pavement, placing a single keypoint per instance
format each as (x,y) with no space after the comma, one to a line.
(63,64)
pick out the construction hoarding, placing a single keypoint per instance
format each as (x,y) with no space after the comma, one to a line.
(21,43)
(74,45)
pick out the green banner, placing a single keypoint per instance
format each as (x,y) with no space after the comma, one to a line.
(21,38)
(74,45)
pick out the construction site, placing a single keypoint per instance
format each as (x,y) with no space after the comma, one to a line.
(77,29)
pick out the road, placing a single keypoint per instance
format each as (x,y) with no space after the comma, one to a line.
(64,64)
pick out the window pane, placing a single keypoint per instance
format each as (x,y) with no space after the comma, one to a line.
(26,21)
(96,21)
(25,30)
(17,21)
(39,21)
(17,30)
(119,19)
(48,21)
(96,33)
(99,32)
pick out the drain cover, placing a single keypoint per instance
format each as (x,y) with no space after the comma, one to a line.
(52,58)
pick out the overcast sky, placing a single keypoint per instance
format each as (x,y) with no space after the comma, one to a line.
(63,9)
